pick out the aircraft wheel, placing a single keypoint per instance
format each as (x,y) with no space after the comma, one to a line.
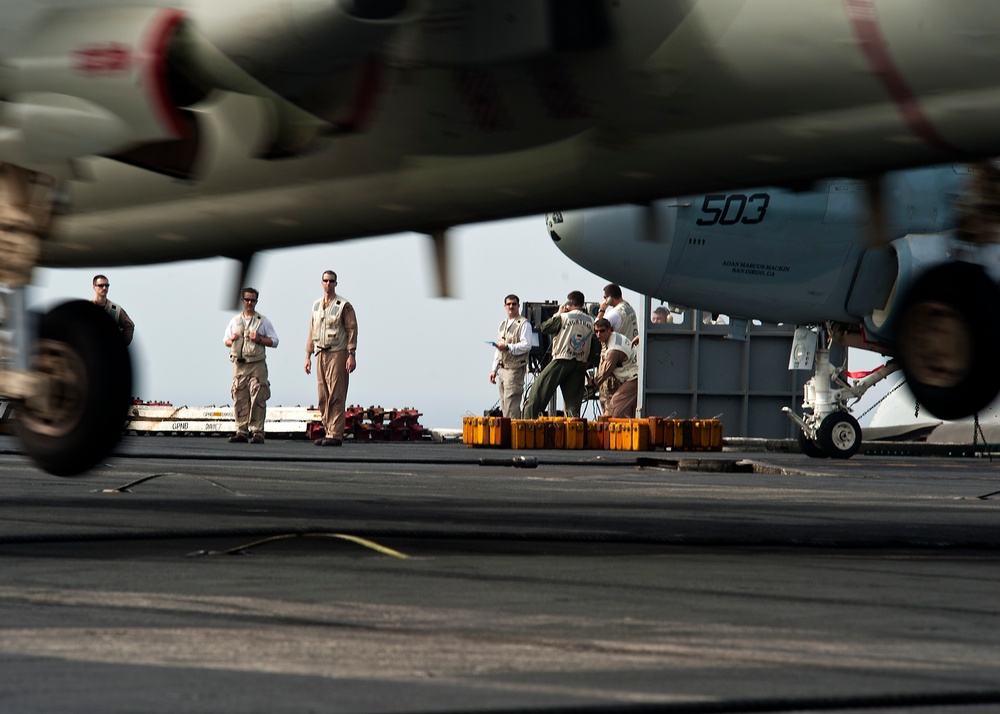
(948,342)
(839,435)
(809,447)
(80,420)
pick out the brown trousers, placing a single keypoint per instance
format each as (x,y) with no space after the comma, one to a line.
(332,379)
(250,393)
(624,401)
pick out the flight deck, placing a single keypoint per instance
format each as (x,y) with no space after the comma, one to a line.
(190,574)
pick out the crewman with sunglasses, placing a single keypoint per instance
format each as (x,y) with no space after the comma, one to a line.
(618,374)
(247,336)
(115,311)
(333,337)
(510,361)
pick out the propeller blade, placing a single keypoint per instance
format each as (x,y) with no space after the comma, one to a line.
(241,280)
(440,239)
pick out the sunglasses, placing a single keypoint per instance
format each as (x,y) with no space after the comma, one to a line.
(102,285)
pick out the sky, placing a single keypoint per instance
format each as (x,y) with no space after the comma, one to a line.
(415,349)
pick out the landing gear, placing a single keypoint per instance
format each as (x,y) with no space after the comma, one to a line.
(84,371)
(948,344)
(839,436)
(70,380)
(827,428)
(809,447)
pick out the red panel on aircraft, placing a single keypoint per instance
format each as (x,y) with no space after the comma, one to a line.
(156,46)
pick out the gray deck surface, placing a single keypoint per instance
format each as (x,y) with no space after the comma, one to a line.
(598,581)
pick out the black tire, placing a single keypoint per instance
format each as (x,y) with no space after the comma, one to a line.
(839,435)
(947,340)
(83,351)
(809,447)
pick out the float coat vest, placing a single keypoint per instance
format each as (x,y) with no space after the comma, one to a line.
(573,338)
(628,369)
(113,310)
(509,334)
(242,348)
(629,326)
(630,322)
(328,331)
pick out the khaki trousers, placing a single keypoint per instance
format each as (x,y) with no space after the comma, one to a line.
(624,400)
(250,393)
(510,382)
(332,379)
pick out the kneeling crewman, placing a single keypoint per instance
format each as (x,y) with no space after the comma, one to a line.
(618,373)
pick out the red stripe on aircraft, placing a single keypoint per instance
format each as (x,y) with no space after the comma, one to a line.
(157,43)
(369,88)
(864,21)
(863,373)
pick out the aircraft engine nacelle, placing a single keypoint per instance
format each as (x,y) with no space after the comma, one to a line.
(941,321)
(92,81)
(312,52)
(895,271)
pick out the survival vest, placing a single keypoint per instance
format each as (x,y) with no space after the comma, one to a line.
(573,339)
(245,349)
(511,334)
(328,331)
(628,369)
(113,309)
(629,327)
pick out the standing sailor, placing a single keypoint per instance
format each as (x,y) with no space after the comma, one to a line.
(247,336)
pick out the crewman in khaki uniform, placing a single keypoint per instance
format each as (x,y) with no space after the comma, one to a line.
(247,336)
(618,375)
(114,310)
(510,362)
(333,336)
(617,310)
(621,315)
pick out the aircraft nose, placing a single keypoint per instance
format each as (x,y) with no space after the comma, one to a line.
(623,244)
(566,231)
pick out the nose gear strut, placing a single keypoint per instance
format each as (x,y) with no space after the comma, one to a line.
(71,375)
(827,427)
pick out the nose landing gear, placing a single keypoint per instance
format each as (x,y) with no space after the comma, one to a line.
(839,435)
(827,428)
(70,380)
(72,423)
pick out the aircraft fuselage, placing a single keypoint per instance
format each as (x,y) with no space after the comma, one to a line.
(769,253)
(452,115)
